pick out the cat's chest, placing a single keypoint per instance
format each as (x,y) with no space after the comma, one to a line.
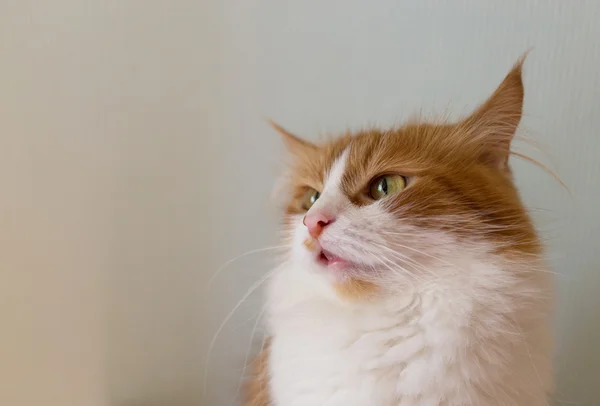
(321,357)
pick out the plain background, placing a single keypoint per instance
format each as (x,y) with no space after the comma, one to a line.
(135,161)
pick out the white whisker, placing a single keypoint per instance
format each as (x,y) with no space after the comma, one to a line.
(242,377)
(232,260)
(254,286)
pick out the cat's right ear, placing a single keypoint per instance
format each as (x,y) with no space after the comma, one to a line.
(294,144)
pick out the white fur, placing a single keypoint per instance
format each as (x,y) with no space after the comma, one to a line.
(332,199)
(453,323)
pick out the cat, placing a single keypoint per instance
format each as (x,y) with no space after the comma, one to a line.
(415,275)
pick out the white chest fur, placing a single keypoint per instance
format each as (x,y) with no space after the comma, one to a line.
(438,347)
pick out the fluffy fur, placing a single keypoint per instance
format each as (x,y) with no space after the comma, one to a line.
(447,299)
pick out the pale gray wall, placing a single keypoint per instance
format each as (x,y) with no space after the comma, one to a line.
(134,161)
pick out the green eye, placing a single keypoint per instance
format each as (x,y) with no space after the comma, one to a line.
(309,198)
(386,186)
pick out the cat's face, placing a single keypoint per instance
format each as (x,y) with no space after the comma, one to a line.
(377,209)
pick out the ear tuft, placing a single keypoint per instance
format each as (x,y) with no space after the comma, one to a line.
(293,143)
(494,123)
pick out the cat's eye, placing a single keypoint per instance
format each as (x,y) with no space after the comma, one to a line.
(387,185)
(309,198)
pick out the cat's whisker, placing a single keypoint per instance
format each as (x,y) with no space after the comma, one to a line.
(386,262)
(409,261)
(245,254)
(397,255)
(404,270)
(254,286)
(420,252)
(249,349)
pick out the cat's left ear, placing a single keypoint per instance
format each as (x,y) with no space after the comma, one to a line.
(294,144)
(493,125)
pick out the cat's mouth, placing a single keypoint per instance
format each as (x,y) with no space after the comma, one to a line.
(325,257)
(329,259)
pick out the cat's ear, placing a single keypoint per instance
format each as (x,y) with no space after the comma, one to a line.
(493,125)
(294,144)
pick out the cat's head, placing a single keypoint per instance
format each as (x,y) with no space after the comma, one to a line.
(380,208)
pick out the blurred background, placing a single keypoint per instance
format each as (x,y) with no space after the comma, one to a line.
(135,161)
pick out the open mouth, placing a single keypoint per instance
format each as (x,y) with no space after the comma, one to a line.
(325,257)
(329,259)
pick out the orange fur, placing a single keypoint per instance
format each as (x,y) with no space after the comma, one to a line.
(355,289)
(454,169)
(257,387)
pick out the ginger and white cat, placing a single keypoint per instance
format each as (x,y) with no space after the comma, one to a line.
(415,276)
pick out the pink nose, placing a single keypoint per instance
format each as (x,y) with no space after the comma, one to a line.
(316,222)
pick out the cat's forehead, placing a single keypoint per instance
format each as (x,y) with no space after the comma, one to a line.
(408,151)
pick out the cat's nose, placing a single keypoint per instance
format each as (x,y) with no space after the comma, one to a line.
(316,222)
